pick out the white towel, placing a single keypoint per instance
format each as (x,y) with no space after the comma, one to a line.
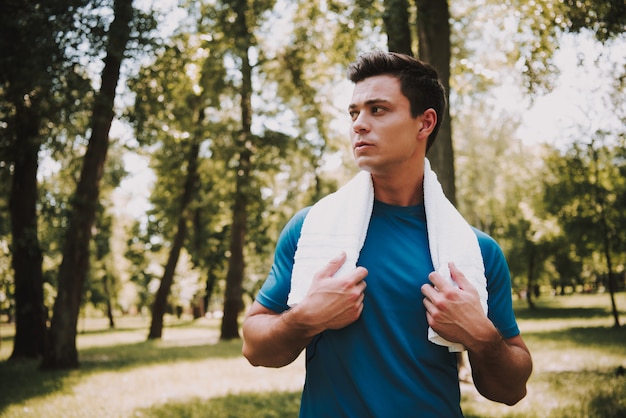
(451,238)
(339,222)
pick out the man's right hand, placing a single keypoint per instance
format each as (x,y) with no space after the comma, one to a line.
(332,302)
(275,339)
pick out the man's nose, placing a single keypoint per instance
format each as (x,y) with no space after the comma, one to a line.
(360,123)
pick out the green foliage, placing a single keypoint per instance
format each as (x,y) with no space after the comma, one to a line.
(606,18)
(499,189)
(529,32)
(190,92)
(41,67)
(141,248)
(582,190)
(103,283)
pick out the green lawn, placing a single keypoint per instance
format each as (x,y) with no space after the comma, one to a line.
(578,357)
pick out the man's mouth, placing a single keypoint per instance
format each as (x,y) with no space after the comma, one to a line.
(361,144)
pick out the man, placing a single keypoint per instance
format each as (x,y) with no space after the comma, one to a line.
(366,329)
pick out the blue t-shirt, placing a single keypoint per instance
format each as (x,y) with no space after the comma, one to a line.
(383,365)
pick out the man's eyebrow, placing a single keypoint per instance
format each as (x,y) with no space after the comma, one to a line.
(369,102)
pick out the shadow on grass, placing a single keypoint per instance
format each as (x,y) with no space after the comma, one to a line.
(560,394)
(153,352)
(606,399)
(23,380)
(141,324)
(550,313)
(610,339)
(245,405)
(587,393)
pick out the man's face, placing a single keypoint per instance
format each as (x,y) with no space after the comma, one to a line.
(384,136)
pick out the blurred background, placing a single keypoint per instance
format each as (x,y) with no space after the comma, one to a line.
(151,151)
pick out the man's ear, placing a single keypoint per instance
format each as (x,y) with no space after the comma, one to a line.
(429,121)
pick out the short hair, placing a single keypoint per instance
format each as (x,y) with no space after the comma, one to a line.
(419,82)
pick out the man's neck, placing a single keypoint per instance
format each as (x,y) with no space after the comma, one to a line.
(399,191)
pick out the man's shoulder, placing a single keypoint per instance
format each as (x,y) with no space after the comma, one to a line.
(290,234)
(488,245)
(483,236)
(294,225)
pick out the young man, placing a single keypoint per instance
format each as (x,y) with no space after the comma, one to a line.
(366,329)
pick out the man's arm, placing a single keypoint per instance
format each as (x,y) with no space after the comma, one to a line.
(274,339)
(500,367)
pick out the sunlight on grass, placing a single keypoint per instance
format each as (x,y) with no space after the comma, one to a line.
(118,394)
(553,313)
(189,373)
(116,379)
(245,405)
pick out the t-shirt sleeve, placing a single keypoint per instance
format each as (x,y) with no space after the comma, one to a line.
(274,292)
(500,301)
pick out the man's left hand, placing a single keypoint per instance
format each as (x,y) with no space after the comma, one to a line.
(455,312)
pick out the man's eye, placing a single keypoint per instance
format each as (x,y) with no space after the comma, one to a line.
(353,115)
(377,109)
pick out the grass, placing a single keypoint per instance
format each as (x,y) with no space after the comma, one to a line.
(577,357)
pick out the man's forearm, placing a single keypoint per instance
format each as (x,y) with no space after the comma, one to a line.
(273,340)
(501,369)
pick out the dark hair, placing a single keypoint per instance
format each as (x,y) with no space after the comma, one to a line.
(419,82)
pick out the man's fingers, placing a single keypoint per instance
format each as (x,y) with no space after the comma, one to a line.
(458,276)
(332,266)
(441,282)
(438,280)
(359,275)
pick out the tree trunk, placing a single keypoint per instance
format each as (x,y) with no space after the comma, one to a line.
(30,312)
(108,296)
(61,352)
(160,301)
(612,282)
(433,33)
(209,288)
(396,20)
(531,275)
(606,235)
(614,310)
(233,301)
(159,305)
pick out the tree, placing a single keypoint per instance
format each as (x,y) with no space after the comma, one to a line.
(102,283)
(251,169)
(101,286)
(582,191)
(432,26)
(244,144)
(37,88)
(189,190)
(540,23)
(396,19)
(433,32)
(501,191)
(606,18)
(607,218)
(178,111)
(62,352)
(139,250)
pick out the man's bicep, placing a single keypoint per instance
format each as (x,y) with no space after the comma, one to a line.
(257,309)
